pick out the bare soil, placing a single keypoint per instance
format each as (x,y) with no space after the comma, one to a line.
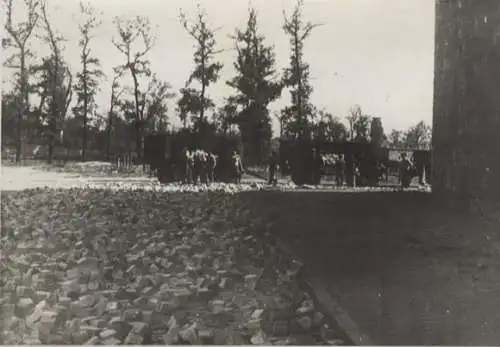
(27,177)
(410,269)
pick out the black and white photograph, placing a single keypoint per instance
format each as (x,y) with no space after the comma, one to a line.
(250,172)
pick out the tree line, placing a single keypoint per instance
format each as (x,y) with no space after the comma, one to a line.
(363,128)
(54,106)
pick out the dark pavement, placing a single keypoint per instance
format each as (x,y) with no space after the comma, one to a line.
(408,269)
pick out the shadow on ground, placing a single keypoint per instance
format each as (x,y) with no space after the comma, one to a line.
(408,267)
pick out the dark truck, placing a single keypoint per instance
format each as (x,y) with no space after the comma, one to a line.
(421,160)
(158,155)
(164,152)
(297,159)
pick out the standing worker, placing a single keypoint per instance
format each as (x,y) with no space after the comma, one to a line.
(238,166)
(357,173)
(189,169)
(273,168)
(317,167)
(197,166)
(204,167)
(349,170)
(340,170)
(404,171)
(212,163)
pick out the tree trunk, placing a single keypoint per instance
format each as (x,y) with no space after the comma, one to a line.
(138,139)
(22,109)
(19,146)
(299,85)
(108,140)
(110,125)
(203,88)
(137,114)
(50,146)
(85,111)
(202,111)
(54,110)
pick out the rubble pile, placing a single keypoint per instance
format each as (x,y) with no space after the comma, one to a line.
(137,266)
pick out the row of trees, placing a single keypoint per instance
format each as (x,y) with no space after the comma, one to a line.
(363,128)
(39,108)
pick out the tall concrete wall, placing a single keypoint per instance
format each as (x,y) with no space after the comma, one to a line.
(466,126)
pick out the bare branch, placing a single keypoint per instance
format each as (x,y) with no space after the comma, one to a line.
(69,92)
(51,38)
(21,32)
(307,30)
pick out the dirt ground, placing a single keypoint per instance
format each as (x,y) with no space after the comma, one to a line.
(27,177)
(409,269)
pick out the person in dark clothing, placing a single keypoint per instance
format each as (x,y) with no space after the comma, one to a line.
(418,167)
(357,173)
(273,168)
(212,163)
(317,166)
(340,170)
(198,167)
(349,171)
(405,171)
(204,167)
(382,172)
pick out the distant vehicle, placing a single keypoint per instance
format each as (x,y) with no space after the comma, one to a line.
(371,162)
(164,152)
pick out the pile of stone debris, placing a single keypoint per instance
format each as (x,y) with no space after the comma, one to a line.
(137,267)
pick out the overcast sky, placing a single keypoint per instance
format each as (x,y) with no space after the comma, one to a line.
(375,53)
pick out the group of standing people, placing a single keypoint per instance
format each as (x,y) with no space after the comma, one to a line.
(352,171)
(340,167)
(200,166)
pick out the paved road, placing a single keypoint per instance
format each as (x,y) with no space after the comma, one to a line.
(408,270)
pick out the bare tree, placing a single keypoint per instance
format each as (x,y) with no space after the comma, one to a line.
(116,93)
(354,114)
(132,33)
(281,117)
(330,128)
(418,136)
(88,79)
(362,129)
(18,37)
(396,138)
(58,83)
(206,71)
(154,104)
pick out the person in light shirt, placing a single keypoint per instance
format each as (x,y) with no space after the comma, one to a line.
(189,168)
(238,166)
